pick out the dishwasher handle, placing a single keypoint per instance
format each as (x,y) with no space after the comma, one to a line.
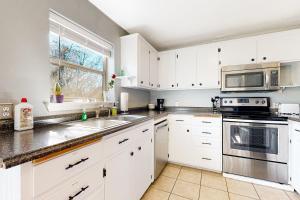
(162,125)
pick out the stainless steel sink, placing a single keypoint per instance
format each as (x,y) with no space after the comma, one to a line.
(127,117)
(99,123)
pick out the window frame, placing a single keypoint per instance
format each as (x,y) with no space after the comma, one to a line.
(105,49)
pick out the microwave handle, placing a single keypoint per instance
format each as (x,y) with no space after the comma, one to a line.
(267,75)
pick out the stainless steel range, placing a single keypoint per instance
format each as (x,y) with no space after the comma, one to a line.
(255,141)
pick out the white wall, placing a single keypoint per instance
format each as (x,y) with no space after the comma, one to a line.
(201,98)
(24,57)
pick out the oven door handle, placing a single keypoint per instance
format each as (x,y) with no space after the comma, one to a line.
(255,121)
(267,77)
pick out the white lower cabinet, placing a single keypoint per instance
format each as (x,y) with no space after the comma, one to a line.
(294,154)
(196,141)
(130,171)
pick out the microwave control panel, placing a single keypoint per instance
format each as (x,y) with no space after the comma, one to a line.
(274,77)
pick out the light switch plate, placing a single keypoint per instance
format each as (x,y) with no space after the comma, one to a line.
(6,110)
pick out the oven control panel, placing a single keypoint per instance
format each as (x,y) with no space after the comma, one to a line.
(245,101)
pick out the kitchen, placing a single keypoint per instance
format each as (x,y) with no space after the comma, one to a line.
(111,55)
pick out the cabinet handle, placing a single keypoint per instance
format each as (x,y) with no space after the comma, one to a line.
(206,158)
(264,58)
(122,141)
(252,59)
(131,153)
(179,120)
(208,133)
(206,122)
(152,84)
(77,163)
(297,130)
(145,130)
(200,84)
(193,84)
(140,148)
(78,193)
(142,82)
(172,85)
(177,84)
(188,130)
(206,143)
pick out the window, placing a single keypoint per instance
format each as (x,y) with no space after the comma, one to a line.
(78,60)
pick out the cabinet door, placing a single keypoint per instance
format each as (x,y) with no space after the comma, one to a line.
(208,69)
(119,181)
(97,195)
(239,51)
(166,70)
(179,146)
(186,67)
(280,46)
(295,156)
(144,64)
(153,69)
(144,164)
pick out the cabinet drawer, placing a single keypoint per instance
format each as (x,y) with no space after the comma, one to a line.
(207,143)
(210,160)
(207,132)
(207,121)
(180,119)
(80,187)
(51,173)
(115,144)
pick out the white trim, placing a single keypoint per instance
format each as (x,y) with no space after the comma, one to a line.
(74,106)
(259,182)
(69,24)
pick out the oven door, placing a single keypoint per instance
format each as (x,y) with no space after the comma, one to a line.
(244,80)
(252,139)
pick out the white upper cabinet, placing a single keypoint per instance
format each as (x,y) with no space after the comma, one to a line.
(208,69)
(238,51)
(153,69)
(166,70)
(139,62)
(186,67)
(281,46)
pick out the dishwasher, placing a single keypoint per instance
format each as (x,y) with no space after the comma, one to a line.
(161,146)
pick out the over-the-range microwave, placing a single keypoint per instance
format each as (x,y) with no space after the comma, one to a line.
(252,77)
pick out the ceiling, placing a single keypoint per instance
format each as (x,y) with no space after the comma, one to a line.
(174,23)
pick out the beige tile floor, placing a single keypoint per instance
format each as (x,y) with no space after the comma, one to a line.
(183,183)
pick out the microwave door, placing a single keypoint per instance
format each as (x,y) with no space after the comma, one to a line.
(249,80)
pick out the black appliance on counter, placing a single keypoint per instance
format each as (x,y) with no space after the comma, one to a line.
(255,140)
(160,104)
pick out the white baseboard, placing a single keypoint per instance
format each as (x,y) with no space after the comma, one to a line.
(259,182)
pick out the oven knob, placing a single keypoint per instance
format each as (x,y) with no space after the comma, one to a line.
(263,101)
(225,102)
(230,101)
(257,102)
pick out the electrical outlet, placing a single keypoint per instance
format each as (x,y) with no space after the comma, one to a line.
(6,110)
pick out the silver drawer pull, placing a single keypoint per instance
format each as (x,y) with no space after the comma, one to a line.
(206,122)
(78,193)
(207,143)
(297,130)
(179,120)
(206,158)
(209,133)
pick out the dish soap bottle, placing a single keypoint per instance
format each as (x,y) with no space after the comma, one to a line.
(23,116)
(114,110)
(84,115)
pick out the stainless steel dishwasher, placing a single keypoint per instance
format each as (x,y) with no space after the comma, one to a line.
(161,137)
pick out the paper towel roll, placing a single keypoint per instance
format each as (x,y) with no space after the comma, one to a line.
(124,102)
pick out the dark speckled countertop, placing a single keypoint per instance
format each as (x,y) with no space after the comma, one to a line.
(20,147)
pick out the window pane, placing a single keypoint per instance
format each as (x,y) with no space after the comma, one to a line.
(90,85)
(54,45)
(77,54)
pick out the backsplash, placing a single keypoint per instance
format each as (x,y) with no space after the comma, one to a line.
(201,98)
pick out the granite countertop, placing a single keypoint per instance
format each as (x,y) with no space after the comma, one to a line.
(296,119)
(20,147)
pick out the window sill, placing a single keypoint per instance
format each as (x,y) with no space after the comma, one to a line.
(74,106)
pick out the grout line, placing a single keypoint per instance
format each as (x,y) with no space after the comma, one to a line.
(227,188)
(256,191)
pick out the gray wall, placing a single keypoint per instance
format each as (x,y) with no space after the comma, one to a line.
(24,63)
(201,98)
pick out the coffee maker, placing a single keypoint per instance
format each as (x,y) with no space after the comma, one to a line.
(160,104)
